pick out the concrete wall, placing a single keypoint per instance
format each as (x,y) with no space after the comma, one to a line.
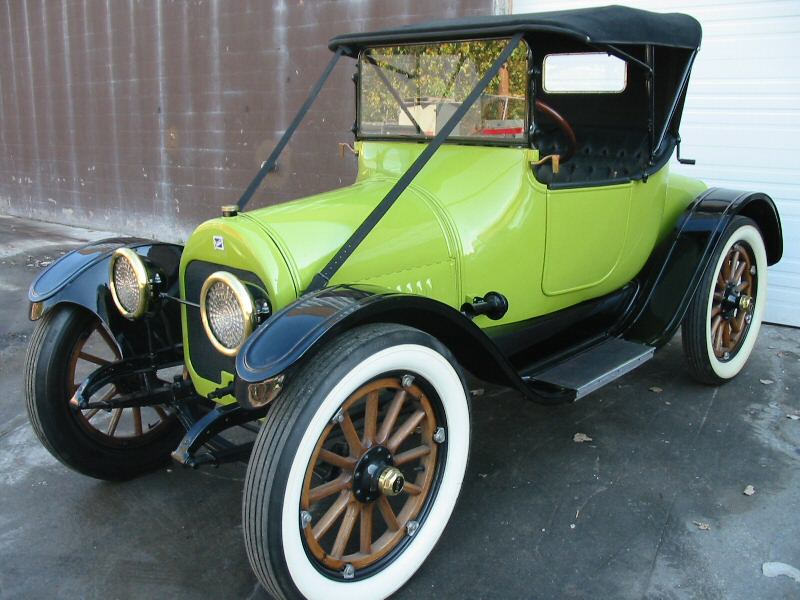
(144,117)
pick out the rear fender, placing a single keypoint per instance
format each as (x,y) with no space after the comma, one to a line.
(81,278)
(293,333)
(671,276)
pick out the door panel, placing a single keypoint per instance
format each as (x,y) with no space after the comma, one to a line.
(586,233)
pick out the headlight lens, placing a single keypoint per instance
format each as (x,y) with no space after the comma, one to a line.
(227,310)
(129,282)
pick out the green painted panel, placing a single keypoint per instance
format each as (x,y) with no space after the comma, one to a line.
(586,233)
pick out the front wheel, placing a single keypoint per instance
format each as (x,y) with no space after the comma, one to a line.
(67,344)
(723,319)
(358,467)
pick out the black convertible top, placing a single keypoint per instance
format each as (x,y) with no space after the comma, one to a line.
(602,25)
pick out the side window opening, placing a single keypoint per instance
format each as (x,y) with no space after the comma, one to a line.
(604,100)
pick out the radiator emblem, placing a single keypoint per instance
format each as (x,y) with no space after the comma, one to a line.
(219,243)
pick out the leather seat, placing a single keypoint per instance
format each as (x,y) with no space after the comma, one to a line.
(602,155)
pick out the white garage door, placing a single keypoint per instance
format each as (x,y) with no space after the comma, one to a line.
(742,116)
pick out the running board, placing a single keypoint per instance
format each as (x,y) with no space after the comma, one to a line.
(591,369)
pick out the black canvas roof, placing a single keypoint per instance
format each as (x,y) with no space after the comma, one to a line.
(601,25)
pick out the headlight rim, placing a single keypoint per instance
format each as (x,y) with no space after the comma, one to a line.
(246,303)
(143,282)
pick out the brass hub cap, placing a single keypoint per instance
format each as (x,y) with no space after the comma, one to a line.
(370,475)
(733,302)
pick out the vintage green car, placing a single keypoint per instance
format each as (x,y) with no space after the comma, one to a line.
(514,216)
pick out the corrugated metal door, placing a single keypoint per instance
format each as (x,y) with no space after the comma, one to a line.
(742,116)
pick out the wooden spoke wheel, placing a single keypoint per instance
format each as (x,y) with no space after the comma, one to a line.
(67,345)
(734,301)
(357,467)
(723,318)
(94,348)
(351,514)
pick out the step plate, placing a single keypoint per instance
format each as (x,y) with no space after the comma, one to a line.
(597,366)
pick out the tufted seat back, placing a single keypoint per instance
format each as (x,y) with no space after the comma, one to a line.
(601,155)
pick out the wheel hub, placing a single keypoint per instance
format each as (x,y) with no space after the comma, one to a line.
(376,475)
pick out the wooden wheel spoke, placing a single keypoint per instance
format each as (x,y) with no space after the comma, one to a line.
(412,488)
(738,323)
(88,416)
(371,418)
(112,426)
(743,286)
(715,310)
(110,341)
(316,494)
(405,430)
(719,296)
(351,435)
(718,340)
(327,520)
(137,420)
(733,263)
(388,514)
(726,334)
(391,416)
(337,460)
(739,271)
(345,530)
(365,533)
(410,455)
(92,358)
(715,325)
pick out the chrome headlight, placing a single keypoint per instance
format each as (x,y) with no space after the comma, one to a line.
(129,282)
(228,312)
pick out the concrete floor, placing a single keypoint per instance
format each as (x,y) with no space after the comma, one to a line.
(540,515)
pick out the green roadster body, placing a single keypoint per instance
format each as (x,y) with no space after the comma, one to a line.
(475,219)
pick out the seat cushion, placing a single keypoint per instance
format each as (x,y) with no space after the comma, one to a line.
(601,155)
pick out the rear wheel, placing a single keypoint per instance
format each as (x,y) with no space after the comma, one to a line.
(358,466)
(68,343)
(724,317)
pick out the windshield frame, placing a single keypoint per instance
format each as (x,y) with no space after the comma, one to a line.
(521,142)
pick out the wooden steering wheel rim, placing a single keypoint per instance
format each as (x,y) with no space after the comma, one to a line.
(563,125)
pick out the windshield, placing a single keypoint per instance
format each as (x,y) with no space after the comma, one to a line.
(411,91)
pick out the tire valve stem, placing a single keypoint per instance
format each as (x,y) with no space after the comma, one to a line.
(349,572)
(305,518)
(406,381)
(338,417)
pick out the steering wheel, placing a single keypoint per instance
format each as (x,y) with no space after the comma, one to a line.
(563,125)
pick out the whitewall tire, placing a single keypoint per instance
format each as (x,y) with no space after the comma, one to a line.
(724,318)
(328,437)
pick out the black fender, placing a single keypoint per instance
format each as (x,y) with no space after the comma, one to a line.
(671,276)
(296,330)
(81,278)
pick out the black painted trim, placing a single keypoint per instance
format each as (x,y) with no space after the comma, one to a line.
(673,272)
(81,278)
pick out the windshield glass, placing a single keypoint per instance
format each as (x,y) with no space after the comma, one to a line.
(411,91)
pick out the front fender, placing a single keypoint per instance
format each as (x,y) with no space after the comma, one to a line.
(81,278)
(292,333)
(671,276)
